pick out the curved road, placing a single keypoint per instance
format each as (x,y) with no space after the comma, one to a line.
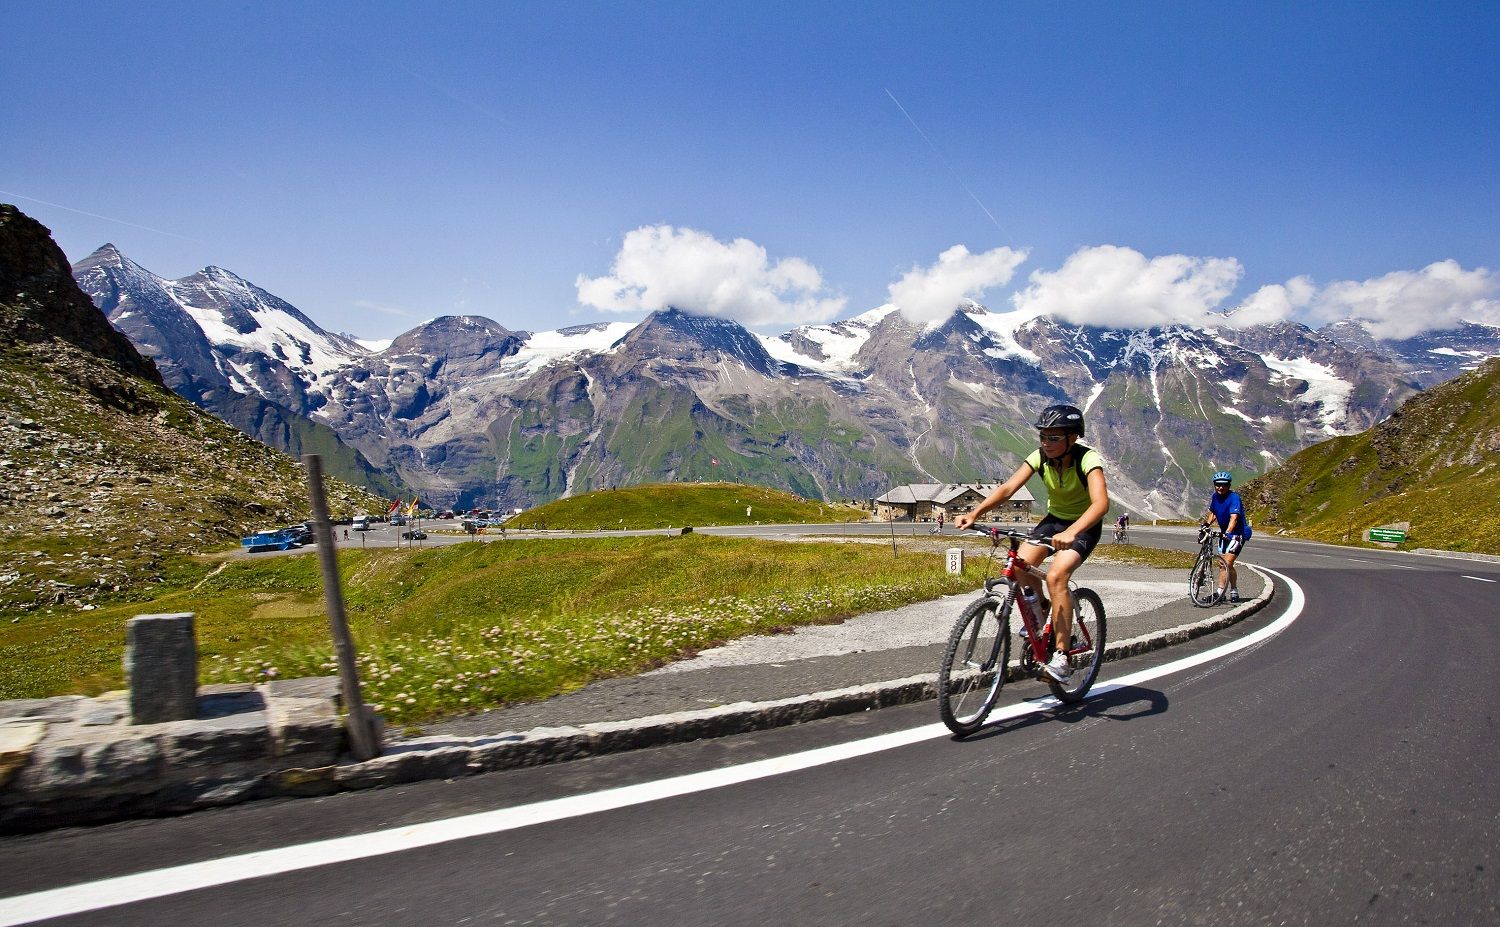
(1339,769)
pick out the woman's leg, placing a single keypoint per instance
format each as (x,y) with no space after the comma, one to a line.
(1064,563)
(1034,555)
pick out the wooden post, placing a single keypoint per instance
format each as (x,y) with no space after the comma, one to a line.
(363,741)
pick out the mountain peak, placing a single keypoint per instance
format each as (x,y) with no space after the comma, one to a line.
(676,335)
(457,336)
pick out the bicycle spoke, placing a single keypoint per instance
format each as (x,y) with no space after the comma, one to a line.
(973,668)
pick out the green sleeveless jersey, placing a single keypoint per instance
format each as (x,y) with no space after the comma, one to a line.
(1067,489)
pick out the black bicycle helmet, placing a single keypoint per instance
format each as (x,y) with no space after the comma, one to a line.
(1061,416)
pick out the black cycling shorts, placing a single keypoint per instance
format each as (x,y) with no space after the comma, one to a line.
(1084,544)
(1231,543)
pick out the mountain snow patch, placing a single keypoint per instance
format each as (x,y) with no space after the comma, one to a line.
(544,349)
(1325,388)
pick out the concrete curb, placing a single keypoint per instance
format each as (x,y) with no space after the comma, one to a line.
(448,757)
(74,760)
(1457,555)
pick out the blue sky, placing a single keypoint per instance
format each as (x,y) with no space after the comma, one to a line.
(377,164)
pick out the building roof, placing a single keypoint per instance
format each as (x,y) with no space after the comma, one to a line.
(943,493)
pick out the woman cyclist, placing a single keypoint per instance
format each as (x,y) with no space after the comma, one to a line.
(1077,501)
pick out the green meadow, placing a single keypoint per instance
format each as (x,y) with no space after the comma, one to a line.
(447,630)
(677,505)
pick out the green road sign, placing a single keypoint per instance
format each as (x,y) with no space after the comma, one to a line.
(1387,535)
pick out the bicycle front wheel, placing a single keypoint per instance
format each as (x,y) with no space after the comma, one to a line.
(1203,581)
(1086,649)
(973,668)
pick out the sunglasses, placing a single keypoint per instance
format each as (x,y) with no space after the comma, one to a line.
(1053,439)
(1221,486)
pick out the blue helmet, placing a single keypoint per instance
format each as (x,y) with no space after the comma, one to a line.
(1223,476)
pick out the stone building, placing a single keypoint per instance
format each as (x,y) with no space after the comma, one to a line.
(923,502)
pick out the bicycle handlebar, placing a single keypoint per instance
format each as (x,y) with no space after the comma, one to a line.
(995,533)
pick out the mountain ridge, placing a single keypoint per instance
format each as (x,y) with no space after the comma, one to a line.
(839,411)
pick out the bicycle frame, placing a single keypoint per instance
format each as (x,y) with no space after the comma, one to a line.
(1209,543)
(1038,627)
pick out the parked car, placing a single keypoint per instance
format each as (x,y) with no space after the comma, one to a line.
(269,539)
(414,535)
(361,523)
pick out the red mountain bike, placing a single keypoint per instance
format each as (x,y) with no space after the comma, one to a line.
(978,656)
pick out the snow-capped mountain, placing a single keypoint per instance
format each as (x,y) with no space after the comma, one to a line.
(1432,358)
(234,349)
(465,410)
(214,331)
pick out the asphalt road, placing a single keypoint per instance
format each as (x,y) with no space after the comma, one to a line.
(1339,768)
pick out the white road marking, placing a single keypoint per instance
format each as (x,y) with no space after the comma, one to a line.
(108,893)
(1464,575)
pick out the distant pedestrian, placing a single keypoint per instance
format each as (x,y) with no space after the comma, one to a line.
(346,534)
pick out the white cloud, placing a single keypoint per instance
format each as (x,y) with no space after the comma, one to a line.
(1401,304)
(1405,303)
(931,294)
(662,267)
(1121,288)
(1274,303)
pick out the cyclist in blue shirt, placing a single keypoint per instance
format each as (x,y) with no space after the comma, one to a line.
(1077,501)
(1227,509)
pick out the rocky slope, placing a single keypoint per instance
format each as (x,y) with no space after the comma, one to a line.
(106,475)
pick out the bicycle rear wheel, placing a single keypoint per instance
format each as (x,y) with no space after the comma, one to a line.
(973,668)
(1203,581)
(1086,651)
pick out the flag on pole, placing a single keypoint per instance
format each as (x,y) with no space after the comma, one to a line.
(395,507)
(412,509)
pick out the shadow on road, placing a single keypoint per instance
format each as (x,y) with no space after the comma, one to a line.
(1124,704)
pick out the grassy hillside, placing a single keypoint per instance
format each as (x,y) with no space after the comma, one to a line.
(669,505)
(108,479)
(1435,463)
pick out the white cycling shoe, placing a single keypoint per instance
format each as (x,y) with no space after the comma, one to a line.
(1058,668)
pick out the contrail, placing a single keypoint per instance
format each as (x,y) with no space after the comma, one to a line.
(939,152)
(454,95)
(93,215)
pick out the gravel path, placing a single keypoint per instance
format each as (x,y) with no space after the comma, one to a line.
(915,625)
